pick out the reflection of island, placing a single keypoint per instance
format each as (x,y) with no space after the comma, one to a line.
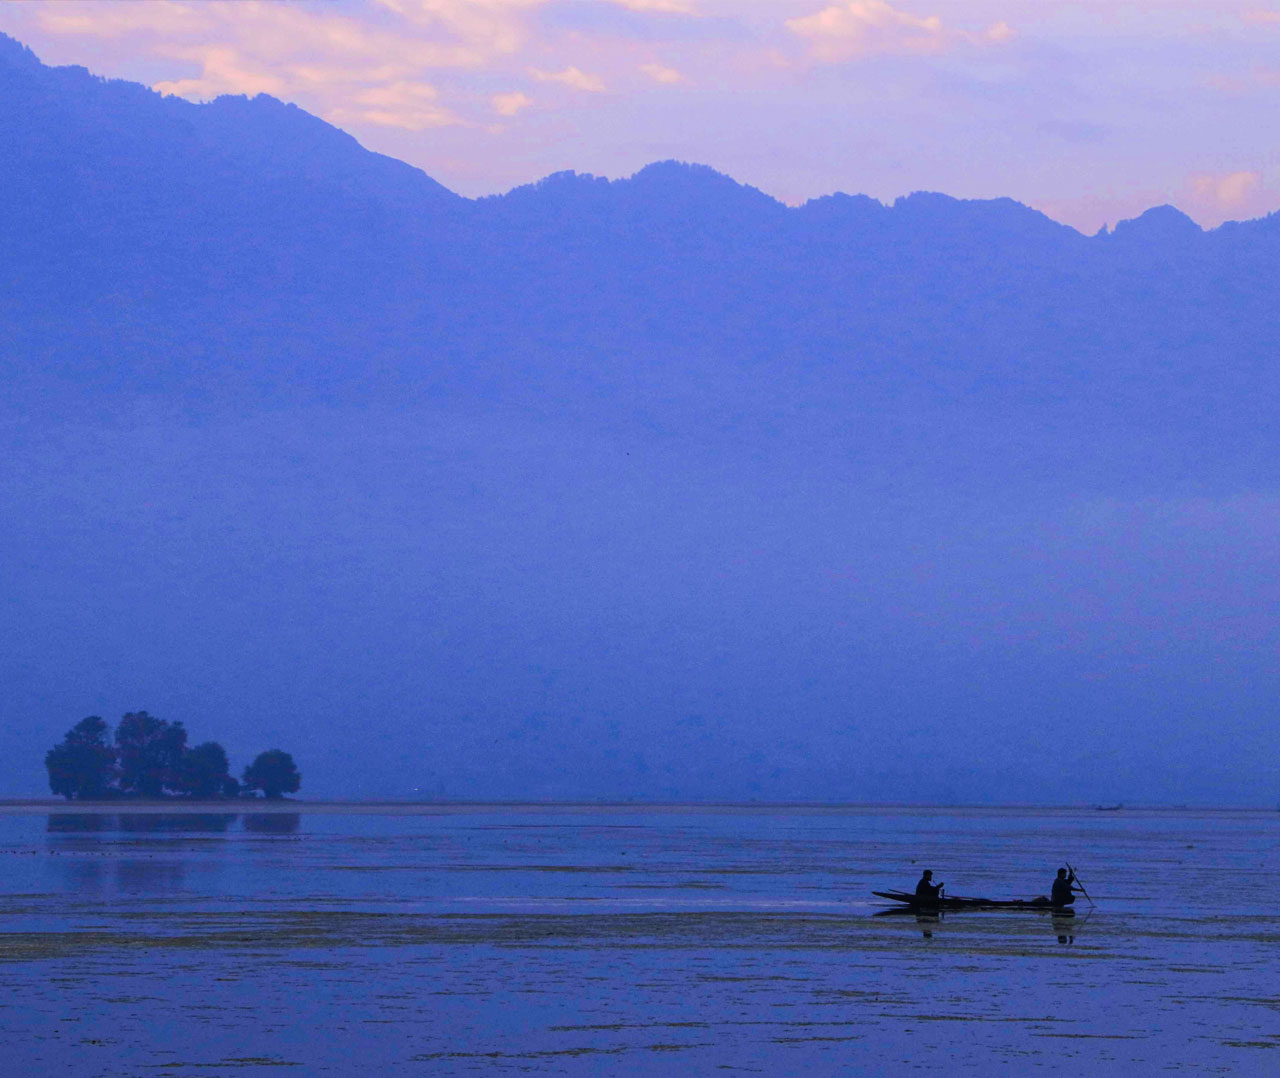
(145,875)
(265,823)
(272,823)
(76,822)
(68,823)
(200,822)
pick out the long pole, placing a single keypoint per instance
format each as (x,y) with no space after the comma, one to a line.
(1082,887)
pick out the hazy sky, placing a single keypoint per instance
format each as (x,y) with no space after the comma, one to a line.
(1090,111)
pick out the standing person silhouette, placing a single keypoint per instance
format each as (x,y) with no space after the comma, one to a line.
(926,889)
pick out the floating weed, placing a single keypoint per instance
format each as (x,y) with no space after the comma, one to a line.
(232,1061)
(617,1027)
(713,978)
(1094,1036)
(427,1057)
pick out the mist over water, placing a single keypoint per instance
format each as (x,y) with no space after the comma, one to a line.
(421,605)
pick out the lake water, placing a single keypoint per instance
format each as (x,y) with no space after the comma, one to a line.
(548,940)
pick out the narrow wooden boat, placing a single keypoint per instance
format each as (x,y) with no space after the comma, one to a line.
(910,902)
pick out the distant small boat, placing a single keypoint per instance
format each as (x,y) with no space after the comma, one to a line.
(1108,808)
(910,903)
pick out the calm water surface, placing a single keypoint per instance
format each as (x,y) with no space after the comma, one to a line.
(436,940)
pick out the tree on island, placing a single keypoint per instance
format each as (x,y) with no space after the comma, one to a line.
(274,773)
(150,753)
(205,773)
(83,765)
(150,758)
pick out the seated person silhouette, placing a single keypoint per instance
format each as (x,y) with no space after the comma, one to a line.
(1062,894)
(926,889)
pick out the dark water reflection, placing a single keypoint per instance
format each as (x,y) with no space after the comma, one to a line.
(1064,926)
(74,822)
(273,823)
(192,855)
(170,823)
(196,823)
(147,877)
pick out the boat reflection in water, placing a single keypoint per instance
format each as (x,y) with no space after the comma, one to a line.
(1065,924)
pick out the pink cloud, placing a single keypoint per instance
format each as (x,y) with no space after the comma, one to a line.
(413,106)
(571,77)
(872,27)
(662,73)
(1229,194)
(510,104)
(223,71)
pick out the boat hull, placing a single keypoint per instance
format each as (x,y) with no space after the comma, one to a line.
(910,903)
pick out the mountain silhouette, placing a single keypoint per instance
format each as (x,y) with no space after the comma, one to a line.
(649,487)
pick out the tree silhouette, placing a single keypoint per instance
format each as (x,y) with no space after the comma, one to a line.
(84,763)
(203,772)
(274,773)
(150,753)
(150,758)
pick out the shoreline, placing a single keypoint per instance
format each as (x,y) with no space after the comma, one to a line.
(38,806)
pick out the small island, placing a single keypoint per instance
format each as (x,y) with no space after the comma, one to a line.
(148,758)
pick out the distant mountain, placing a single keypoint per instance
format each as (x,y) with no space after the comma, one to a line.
(251,223)
(646,487)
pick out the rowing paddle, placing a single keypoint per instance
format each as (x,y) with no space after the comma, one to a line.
(1077,879)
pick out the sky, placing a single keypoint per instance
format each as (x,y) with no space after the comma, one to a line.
(1088,111)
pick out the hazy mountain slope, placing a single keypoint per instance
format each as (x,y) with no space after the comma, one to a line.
(149,230)
(652,487)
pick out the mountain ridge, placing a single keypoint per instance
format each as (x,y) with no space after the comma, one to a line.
(232,110)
